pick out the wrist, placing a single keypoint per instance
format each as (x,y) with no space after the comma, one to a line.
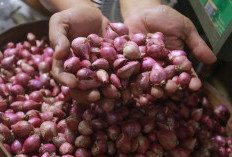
(60,5)
(129,7)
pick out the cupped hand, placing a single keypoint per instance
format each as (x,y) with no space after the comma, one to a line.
(178,30)
(64,26)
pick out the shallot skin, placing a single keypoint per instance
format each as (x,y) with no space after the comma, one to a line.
(143,100)
(81,47)
(158,75)
(31,144)
(118,58)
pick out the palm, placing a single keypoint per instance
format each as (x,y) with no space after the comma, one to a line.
(76,22)
(63,28)
(82,24)
(177,29)
(160,19)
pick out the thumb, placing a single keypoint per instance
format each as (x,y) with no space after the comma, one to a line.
(197,45)
(58,29)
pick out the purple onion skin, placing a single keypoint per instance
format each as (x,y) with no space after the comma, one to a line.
(72,122)
(5,132)
(22,129)
(36,122)
(16,147)
(95,40)
(36,96)
(131,51)
(101,63)
(81,47)
(45,155)
(48,130)
(175,53)
(170,71)
(22,78)
(113,132)
(50,148)
(143,144)
(58,140)
(66,148)
(83,141)
(81,152)
(3,106)
(88,114)
(61,126)
(123,143)
(138,38)
(17,90)
(167,139)
(72,64)
(67,156)
(156,51)
(85,128)
(8,62)
(35,84)
(119,43)
(158,75)
(131,68)
(109,35)
(157,35)
(119,62)
(10,119)
(21,155)
(132,128)
(180,152)
(31,144)
(99,147)
(157,149)
(109,54)
(69,135)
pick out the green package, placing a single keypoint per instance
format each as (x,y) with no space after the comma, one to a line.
(220,12)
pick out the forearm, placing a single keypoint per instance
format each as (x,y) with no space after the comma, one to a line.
(59,5)
(130,6)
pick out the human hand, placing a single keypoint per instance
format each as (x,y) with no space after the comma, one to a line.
(64,26)
(178,30)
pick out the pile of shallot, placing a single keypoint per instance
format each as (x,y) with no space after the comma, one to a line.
(138,68)
(39,119)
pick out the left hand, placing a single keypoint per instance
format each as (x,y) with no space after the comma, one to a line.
(178,30)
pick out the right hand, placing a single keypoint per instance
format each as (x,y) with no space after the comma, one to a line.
(65,26)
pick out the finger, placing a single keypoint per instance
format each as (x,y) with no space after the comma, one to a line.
(197,45)
(58,28)
(105,23)
(67,79)
(195,82)
(134,26)
(85,97)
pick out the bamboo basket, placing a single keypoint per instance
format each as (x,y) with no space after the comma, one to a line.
(40,29)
